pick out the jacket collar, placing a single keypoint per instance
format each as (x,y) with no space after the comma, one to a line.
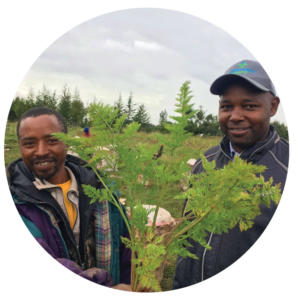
(44,184)
(255,151)
(21,179)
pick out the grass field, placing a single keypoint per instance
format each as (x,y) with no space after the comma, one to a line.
(192,148)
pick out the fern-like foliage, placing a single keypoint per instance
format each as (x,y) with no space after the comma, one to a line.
(217,200)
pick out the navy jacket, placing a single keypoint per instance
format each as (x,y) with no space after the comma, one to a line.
(228,247)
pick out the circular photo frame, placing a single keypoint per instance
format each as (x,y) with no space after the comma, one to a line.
(156,75)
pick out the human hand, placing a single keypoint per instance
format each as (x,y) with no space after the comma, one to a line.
(123,287)
(128,288)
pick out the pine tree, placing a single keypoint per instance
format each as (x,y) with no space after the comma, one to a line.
(119,106)
(163,117)
(19,106)
(64,106)
(163,120)
(281,129)
(46,98)
(130,109)
(78,112)
(141,115)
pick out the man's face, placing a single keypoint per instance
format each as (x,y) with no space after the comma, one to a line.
(42,153)
(244,116)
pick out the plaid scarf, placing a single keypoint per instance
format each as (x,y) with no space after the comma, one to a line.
(103,236)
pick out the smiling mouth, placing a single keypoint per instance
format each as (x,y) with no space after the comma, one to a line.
(43,164)
(238,131)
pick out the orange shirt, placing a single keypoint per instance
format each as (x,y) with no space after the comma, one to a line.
(70,207)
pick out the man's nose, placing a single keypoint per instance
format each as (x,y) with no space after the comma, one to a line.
(41,149)
(237,114)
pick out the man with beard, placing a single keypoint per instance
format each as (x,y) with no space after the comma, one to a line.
(46,185)
(247,102)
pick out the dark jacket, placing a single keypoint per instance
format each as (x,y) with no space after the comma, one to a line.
(49,225)
(228,247)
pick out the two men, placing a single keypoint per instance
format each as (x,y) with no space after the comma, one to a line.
(247,102)
(46,185)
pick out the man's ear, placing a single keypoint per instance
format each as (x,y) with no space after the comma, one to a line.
(275,101)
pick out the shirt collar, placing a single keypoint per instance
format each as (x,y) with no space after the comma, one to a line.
(44,184)
(233,152)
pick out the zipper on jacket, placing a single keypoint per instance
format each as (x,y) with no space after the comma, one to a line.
(225,154)
(69,232)
(204,255)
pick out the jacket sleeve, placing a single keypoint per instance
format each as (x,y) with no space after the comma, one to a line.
(227,248)
(96,275)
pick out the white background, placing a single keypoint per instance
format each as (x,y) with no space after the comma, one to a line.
(267,29)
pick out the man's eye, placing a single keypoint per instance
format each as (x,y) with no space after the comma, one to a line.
(53,141)
(225,107)
(28,144)
(250,106)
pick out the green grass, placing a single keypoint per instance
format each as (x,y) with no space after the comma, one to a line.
(11,149)
(192,148)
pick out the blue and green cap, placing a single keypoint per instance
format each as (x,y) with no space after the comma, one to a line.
(249,70)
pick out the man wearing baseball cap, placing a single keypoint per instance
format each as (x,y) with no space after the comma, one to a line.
(247,101)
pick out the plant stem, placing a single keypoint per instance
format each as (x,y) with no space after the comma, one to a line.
(185,229)
(163,190)
(133,272)
(155,217)
(193,223)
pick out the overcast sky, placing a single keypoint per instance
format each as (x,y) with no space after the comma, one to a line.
(149,52)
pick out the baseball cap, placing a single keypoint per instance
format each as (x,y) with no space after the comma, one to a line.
(249,70)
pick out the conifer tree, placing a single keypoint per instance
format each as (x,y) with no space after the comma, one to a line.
(130,109)
(163,117)
(119,106)
(141,115)
(46,98)
(19,106)
(64,106)
(78,111)
(281,129)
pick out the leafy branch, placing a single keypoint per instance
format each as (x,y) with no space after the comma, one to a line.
(217,200)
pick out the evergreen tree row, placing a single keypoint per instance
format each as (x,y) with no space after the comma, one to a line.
(74,110)
(68,104)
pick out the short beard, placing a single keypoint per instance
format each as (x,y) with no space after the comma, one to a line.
(243,146)
(47,176)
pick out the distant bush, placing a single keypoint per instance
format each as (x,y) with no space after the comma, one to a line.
(281,129)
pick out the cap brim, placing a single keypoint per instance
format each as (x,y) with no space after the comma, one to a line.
(222,82)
